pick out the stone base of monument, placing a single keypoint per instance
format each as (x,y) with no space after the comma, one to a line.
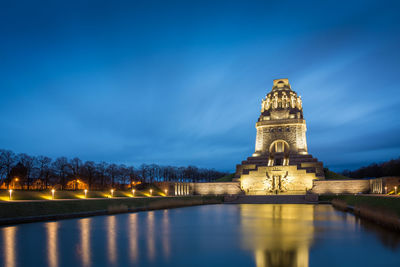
(258,178)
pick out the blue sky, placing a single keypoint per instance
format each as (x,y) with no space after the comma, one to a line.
(181,82)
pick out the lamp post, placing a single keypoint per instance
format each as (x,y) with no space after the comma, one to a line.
(10,193)
(166,192)
(395,190)
(133,192)
(151,192)
(112,192)
(52,193)
(385,189)
(85,193)
(15,180)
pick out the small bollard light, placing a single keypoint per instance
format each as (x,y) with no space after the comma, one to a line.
(10,193)
(166,192)
(151,192)
(395,190)
(85,193)
(133,192)
(52,193)
(385,189)
(112,192)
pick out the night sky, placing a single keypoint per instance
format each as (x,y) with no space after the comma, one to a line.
(181,82)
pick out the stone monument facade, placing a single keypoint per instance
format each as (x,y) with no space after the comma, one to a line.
(280,163)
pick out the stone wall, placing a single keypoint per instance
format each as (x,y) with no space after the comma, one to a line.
(340,186)
(293,131)
(225,188)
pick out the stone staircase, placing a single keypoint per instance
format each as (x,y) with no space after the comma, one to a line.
(302,162)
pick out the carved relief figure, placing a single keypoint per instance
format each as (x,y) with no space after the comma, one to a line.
(299,103)
(268,183)
(268,103)
(285,102)
(293,101)
(285,182)
(275,101)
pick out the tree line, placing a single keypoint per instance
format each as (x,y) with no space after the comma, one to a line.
(97,175)
(388,168)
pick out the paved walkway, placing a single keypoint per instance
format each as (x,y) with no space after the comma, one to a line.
(78,199)
(272,199)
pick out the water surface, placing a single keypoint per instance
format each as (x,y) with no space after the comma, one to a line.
(213,235)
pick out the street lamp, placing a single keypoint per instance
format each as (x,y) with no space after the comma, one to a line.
(395,190)
(133,192)
(166,192)
(112,192)
(151,192)
(52,193)
(85,192)
(10,193)
(385,189)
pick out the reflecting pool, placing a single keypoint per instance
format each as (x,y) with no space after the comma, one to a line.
(213,235)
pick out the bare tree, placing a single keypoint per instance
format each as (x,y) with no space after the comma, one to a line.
(44,169)
(7,161)
(89,169)
(29,163)
(132,175)
(143,171)
(61,167)
(75,165)
(101,170)
(112,171)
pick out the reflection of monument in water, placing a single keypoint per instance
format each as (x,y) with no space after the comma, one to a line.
(279,235)
(280,163)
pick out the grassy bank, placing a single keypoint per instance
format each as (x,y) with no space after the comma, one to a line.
(384,211)
(15,212)
(388,204)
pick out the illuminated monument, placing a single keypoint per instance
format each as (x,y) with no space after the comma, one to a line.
(280,163)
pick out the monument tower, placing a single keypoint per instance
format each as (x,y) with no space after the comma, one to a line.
(280,163)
